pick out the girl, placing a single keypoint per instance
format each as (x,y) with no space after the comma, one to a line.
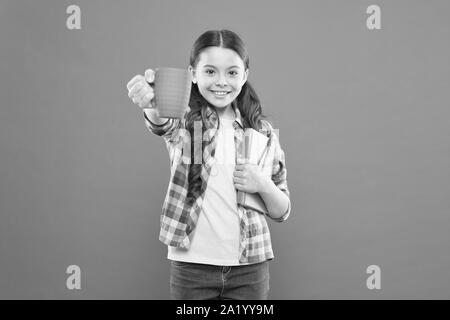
(217,248)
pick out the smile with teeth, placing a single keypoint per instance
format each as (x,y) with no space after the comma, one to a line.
(220,93)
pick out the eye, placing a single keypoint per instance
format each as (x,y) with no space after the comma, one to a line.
(233,73)
(209,71)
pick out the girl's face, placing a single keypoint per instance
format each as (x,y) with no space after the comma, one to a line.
(220,74)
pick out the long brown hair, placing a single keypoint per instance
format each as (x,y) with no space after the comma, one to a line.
(247,101)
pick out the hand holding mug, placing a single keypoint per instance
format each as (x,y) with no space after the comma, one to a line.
(140,90)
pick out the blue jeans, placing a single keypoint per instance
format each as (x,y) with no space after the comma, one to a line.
(196,281)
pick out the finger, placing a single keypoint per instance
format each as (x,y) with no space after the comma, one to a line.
(238,180)
(136,100)
(142,104)
(150,91)
(239,174)
(143,91)
(135,79)
(241,160)
(239,186)
(149,96)
(239,167)
(135,90)
(149,75)
(146,99)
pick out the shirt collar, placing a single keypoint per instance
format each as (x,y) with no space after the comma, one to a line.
(211,115)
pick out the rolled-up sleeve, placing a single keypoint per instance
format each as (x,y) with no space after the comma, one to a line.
(166,130)
(279,174)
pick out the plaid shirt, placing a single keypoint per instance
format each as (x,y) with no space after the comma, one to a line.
(179,218)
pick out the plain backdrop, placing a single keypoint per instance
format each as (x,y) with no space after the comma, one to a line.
(363,117)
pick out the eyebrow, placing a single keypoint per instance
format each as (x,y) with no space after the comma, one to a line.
(211,66)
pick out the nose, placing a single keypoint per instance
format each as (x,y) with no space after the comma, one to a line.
(221,81)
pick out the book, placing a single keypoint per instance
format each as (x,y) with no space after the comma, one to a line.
(254,149)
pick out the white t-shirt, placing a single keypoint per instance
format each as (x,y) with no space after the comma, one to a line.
(216,235)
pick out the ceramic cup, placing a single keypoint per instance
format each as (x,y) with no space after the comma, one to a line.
(172,89)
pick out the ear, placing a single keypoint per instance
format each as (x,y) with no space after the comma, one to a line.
(245,76)
(194,79)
